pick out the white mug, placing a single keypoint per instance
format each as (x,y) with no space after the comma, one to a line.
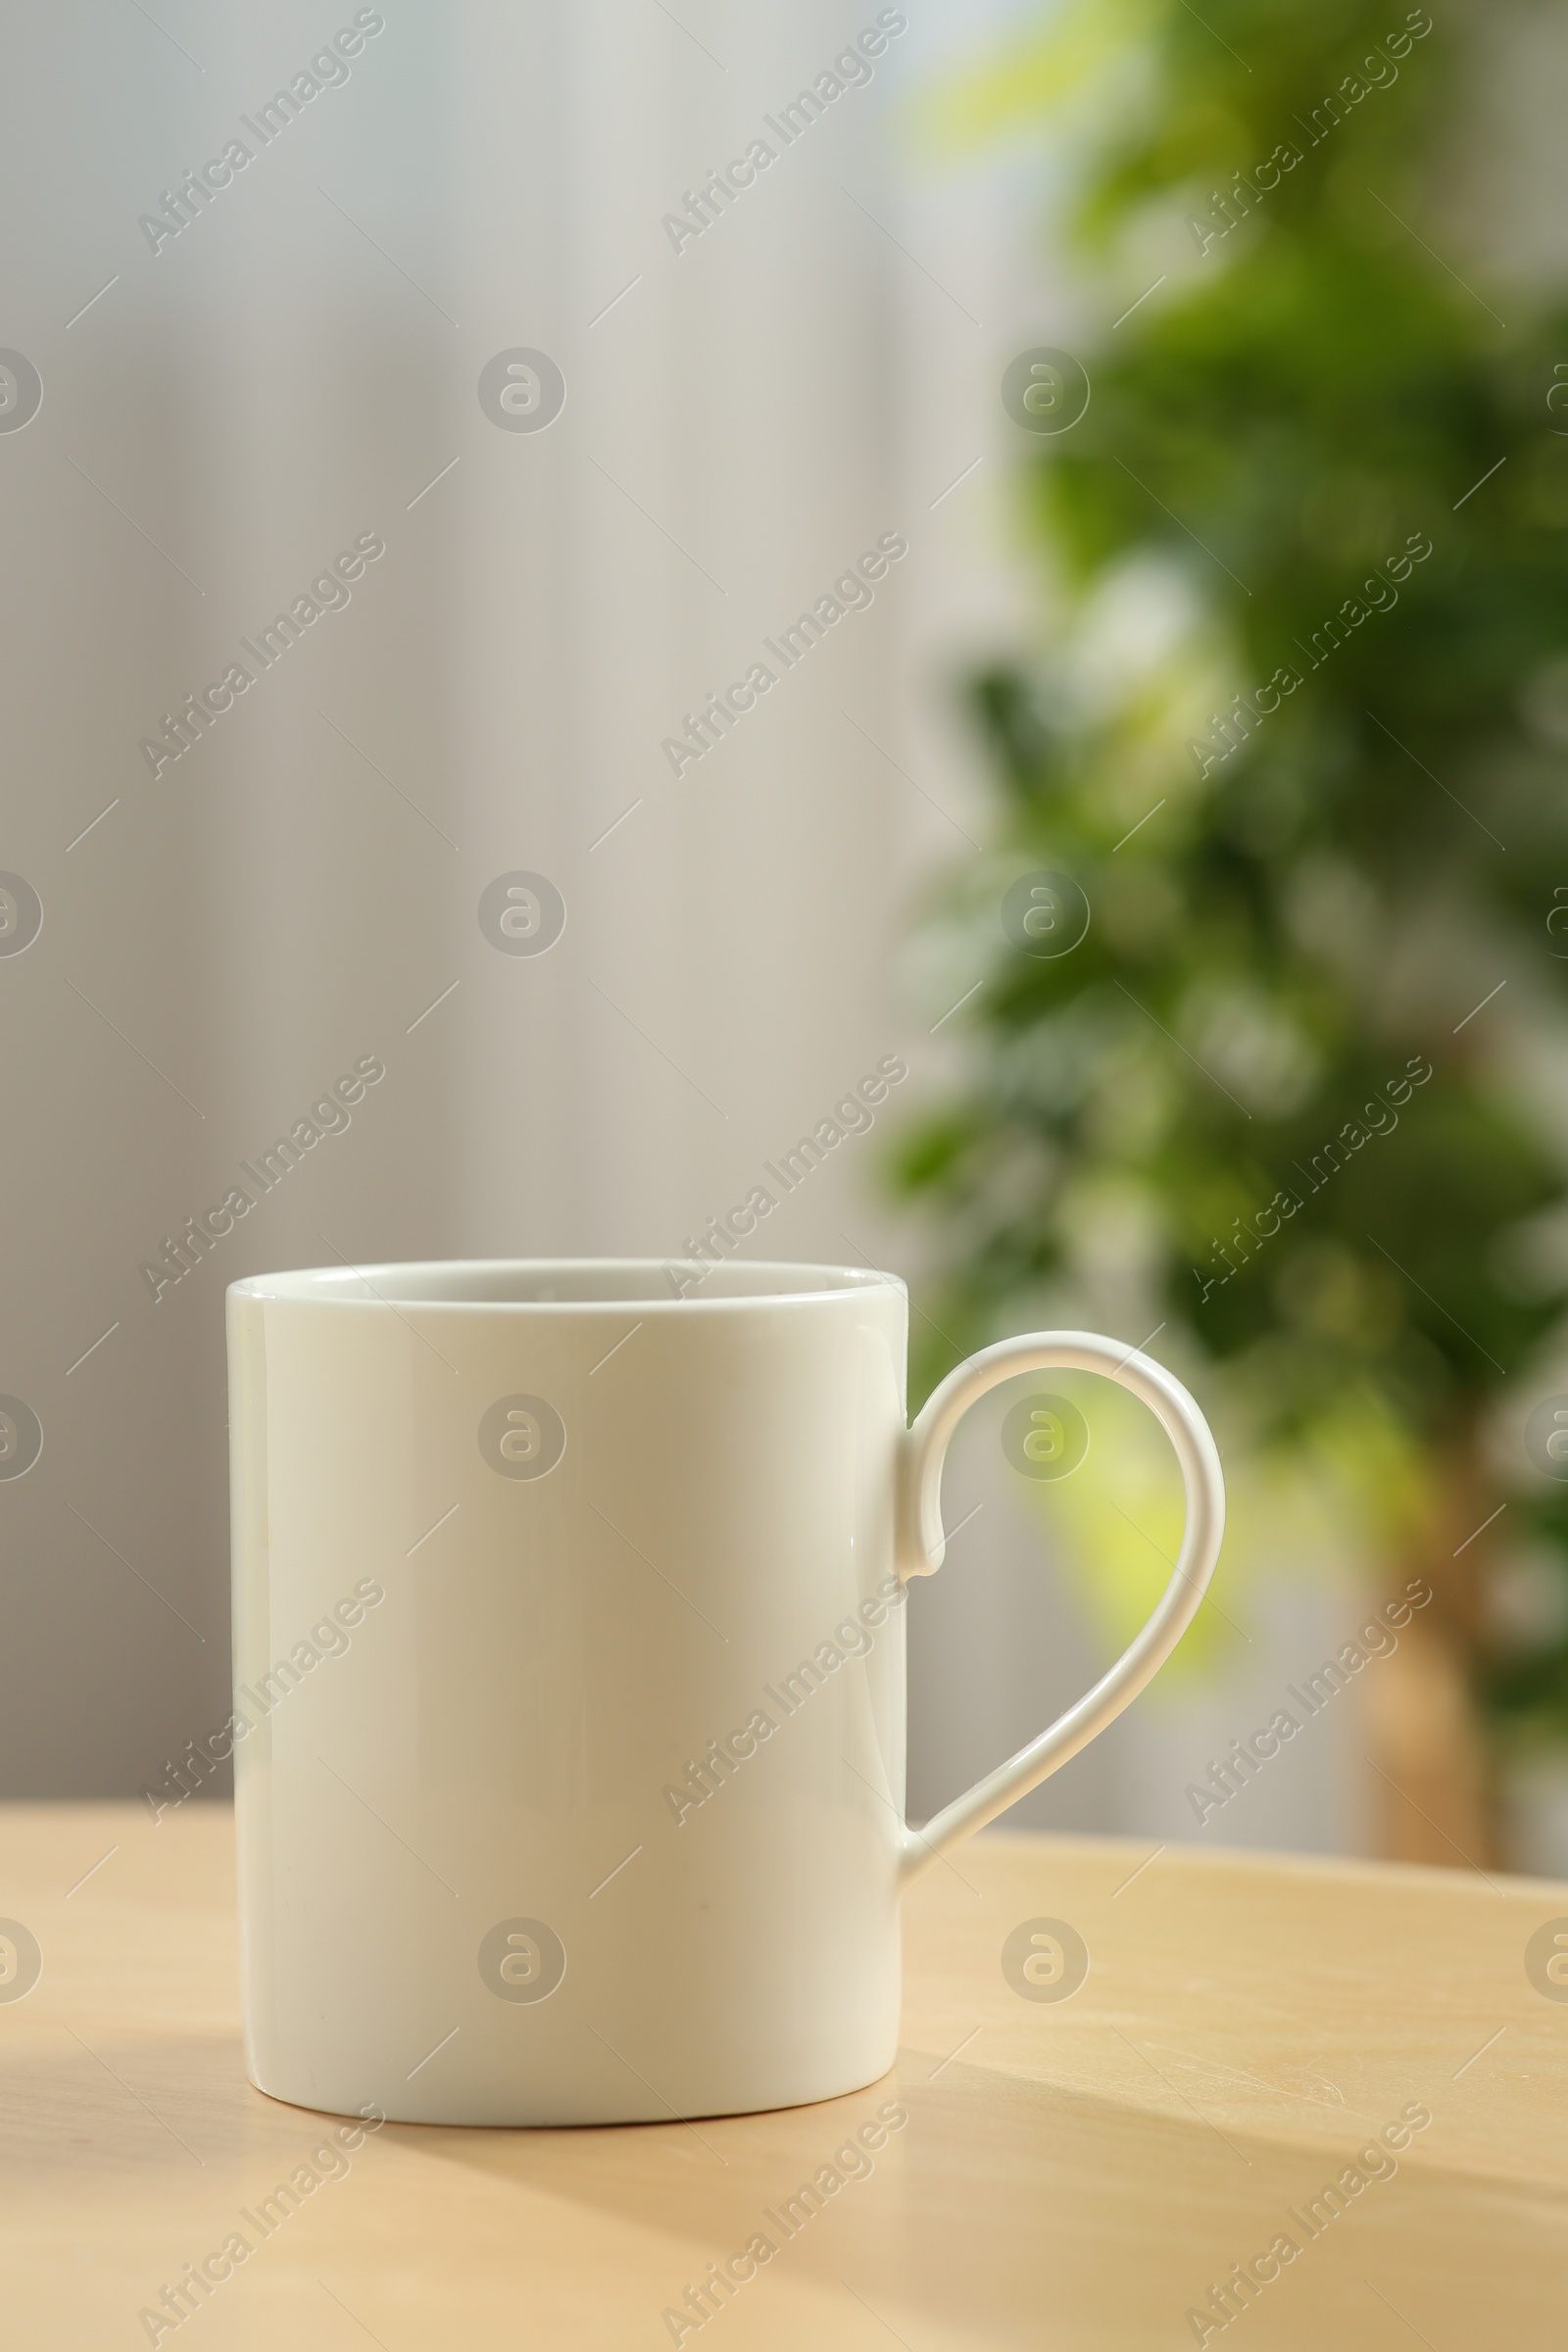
(570,1679)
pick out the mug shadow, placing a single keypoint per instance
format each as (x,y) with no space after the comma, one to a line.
(1008,2211)
(1003,2210)
(999,2199)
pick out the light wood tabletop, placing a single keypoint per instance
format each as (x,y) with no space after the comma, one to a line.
(1245,2067)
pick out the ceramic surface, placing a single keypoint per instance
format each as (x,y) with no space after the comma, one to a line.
(570,1679)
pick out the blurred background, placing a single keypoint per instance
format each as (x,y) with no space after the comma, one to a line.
(1182,802)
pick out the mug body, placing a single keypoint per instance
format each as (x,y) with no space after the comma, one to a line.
(570,1688)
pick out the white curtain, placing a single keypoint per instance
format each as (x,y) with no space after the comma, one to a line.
(246,381)
(290,369)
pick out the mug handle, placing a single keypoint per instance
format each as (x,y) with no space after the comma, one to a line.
(922,1543)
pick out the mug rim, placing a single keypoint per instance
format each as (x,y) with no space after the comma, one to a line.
(807,1283)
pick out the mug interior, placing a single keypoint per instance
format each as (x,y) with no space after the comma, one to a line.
(646,1282)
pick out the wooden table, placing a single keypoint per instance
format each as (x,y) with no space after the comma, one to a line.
(1072,2172)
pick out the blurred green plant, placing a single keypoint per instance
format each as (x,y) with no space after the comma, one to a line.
(1296,730)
